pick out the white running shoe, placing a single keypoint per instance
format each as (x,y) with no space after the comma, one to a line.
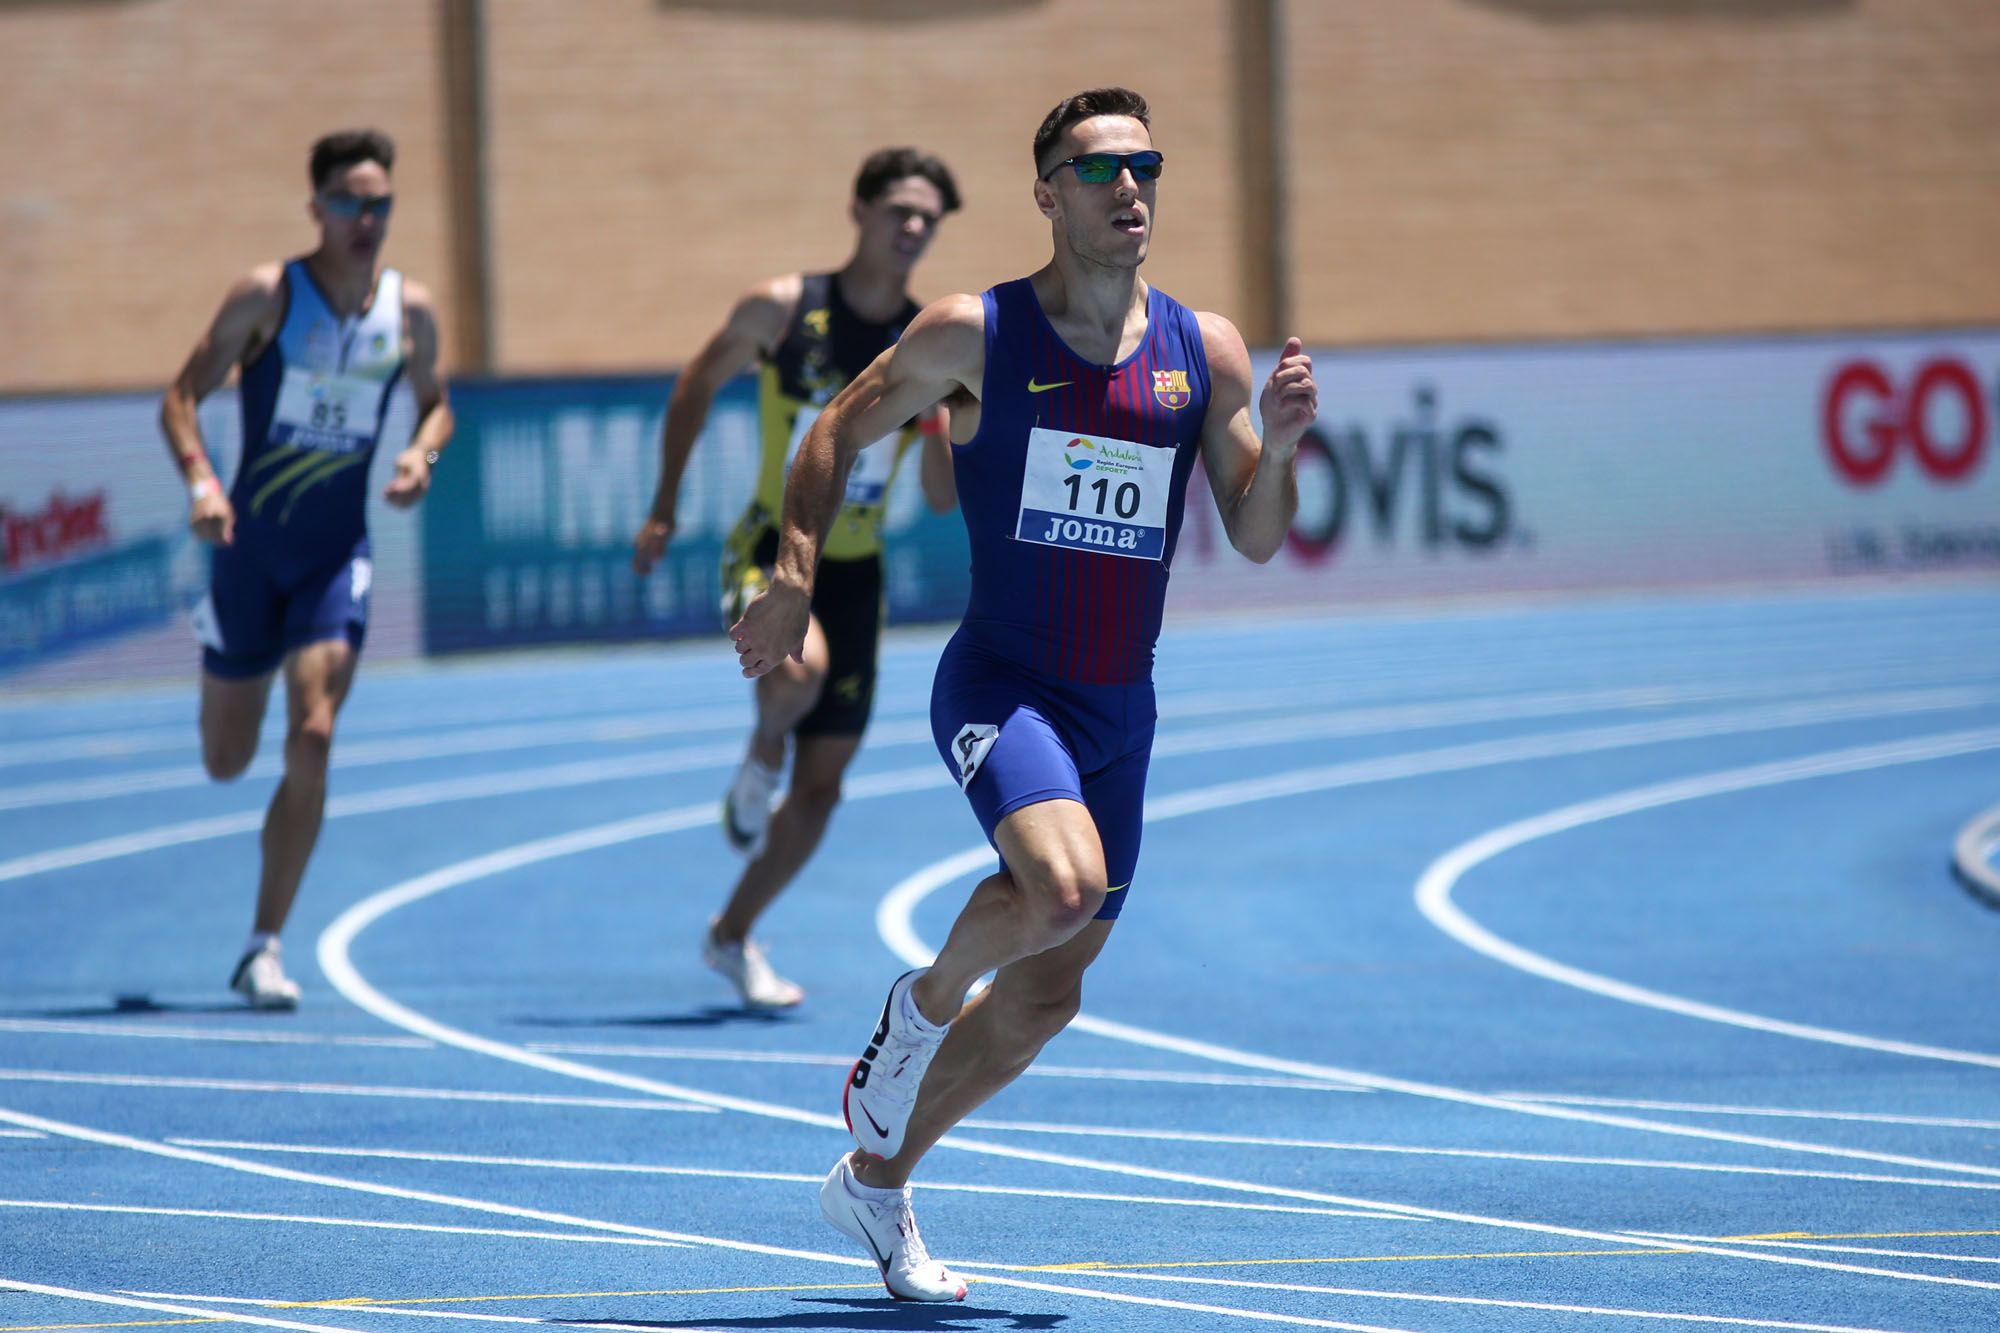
(746,807)
(882,1087)
(888,1228)
(750,972)
(260,978)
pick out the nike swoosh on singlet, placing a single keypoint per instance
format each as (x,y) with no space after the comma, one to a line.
(1044,388)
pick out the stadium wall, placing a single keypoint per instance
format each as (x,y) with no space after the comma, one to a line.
(1449,170)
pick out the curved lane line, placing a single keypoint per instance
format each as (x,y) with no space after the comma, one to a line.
(336,943)
(133,1303)
(114,1140)
(1434,887)
(653,763)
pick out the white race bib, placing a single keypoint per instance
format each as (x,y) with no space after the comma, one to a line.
(326,410)
(1093,493)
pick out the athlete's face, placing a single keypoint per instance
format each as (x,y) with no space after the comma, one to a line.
(897,225)
(1109,223)
(352,209)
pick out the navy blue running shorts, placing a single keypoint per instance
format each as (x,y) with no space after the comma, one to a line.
(251,618)
(1013,737)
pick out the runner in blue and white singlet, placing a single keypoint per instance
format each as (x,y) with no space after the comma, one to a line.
(1079,399)
(321,342)
(298,570)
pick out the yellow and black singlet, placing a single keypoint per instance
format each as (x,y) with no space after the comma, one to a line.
(825,345)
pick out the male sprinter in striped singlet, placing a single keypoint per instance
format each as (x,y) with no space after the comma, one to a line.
(1079,399)
(321,342)
(813,332)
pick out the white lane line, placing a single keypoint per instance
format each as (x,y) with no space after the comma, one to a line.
(365,751)
(108,1139)
(1509,708)
(381,742)
(60,746)
(1434,887)
(403,1312)
(406,1313)
(1487,1154)
(1545,745)
(784,1177)
(21,1134)
(307,1219)
(373,727)
(390,800)
(345,1090)
(1494,1302)
(655,763)
(1114,1297)
(1190,1307)
(365,754)
(93,1028)
(336,964)
(1788,1113)
(133,1303)
(1228,1055)
(894,914)
(697,1054)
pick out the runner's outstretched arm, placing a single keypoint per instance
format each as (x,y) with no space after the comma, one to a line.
(940,355)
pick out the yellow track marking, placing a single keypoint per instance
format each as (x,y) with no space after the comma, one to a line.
(558,1296)
(1346,1259)
(1083,1266)
(1857,1235)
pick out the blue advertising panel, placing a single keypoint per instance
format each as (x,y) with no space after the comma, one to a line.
(527,531)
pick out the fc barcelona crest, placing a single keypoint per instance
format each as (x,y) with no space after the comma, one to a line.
(1171,388)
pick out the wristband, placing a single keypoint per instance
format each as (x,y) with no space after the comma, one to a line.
(206,486)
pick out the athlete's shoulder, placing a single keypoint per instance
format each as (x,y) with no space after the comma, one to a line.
(417,298)
(263,285)
(252,310)
(1222,345)
(954,324)
(959,310)
(782,290)
(945,342)
(764,311)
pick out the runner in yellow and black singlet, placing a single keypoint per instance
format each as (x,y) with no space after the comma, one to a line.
(825,345)
(810,334)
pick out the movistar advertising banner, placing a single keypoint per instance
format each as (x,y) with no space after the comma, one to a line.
(529,524)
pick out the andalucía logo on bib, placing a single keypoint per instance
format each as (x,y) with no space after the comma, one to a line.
(1171,388)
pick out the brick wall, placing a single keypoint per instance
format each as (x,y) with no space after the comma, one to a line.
(1458,168)
(1497,168)
(155,151)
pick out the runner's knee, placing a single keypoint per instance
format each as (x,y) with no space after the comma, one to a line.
(309,745)
(226,757)
(1065,894)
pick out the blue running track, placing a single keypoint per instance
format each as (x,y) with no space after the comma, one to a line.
(1582,966)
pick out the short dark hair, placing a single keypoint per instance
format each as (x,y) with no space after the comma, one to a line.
(1082,106)
(885,166)
(346,148)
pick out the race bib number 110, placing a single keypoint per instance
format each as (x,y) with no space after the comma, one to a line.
(1092,493)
